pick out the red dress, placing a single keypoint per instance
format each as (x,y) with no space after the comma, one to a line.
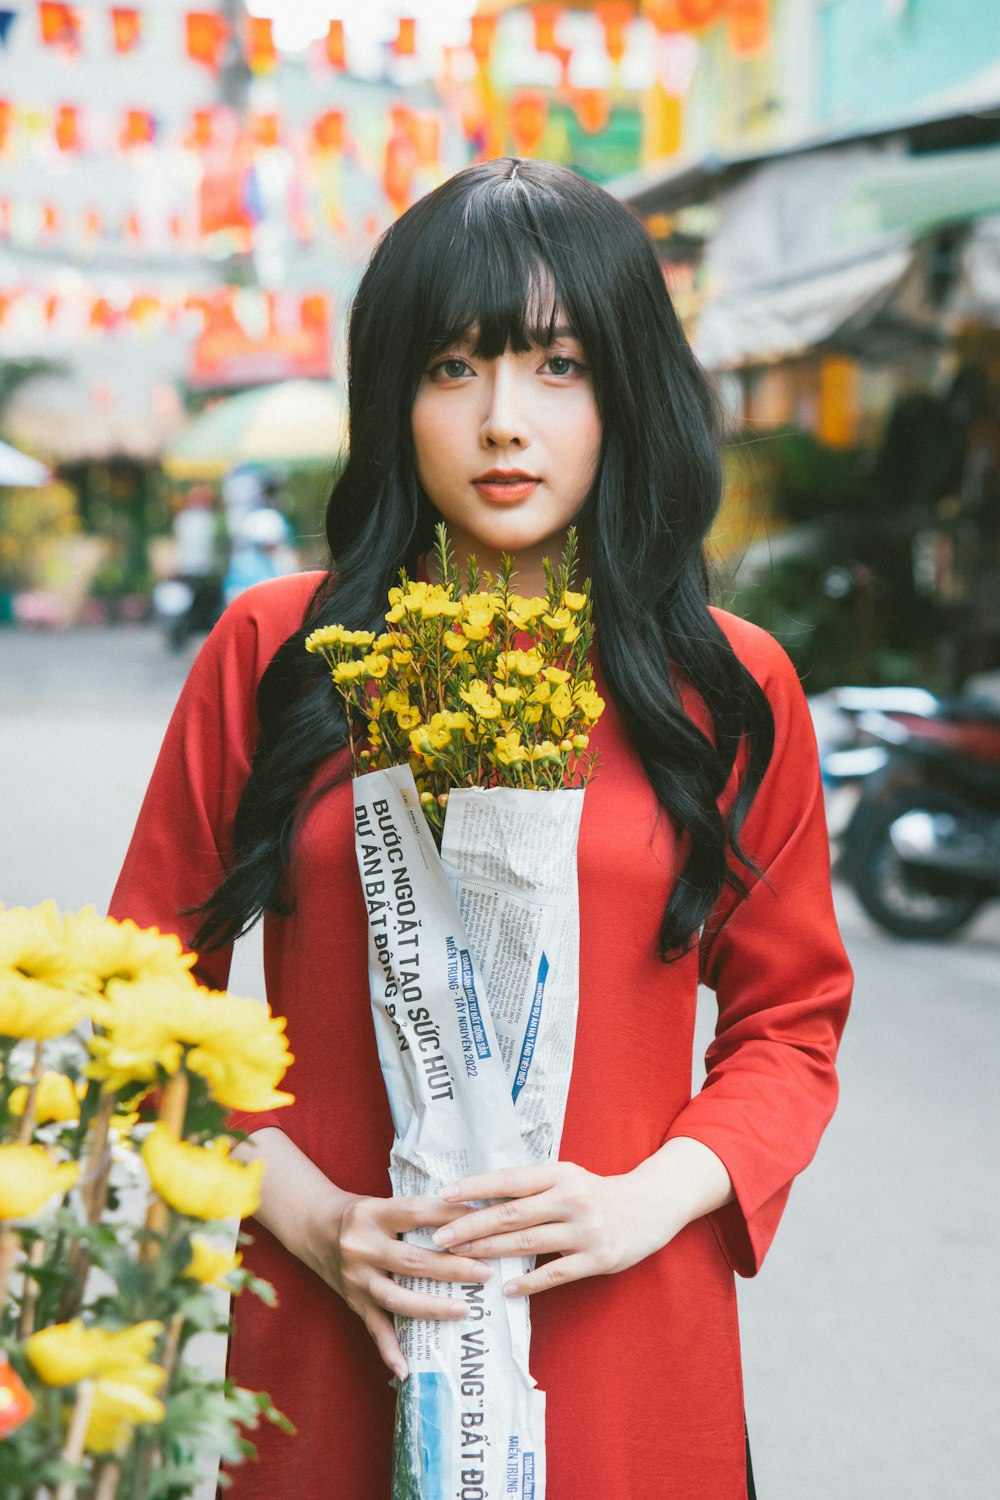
(641,1369)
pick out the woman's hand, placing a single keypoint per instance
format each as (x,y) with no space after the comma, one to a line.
(351,1241)
(352,1244)
(593,1225)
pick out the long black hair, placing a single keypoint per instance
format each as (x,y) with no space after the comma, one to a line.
(493,253)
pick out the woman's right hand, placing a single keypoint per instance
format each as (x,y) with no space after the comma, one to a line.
(353,1242)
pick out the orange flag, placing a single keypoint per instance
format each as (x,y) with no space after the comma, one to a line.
(60,25)
(482,32)
(699,14)
(139,129)
(328,131)
(265,127)
(126,27)
(405,44)
(207,34)
(545,18)
(67,127)
(262,55)
(527,117)
(615,17)
(336,53)
(592,108)
(749,23)
(6,122)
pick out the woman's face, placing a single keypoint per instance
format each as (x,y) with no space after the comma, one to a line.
(507,448)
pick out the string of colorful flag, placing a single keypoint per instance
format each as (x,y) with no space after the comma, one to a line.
(95,311)
(209,39)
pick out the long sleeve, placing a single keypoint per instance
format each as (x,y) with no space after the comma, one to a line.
(181,842)
(781,978)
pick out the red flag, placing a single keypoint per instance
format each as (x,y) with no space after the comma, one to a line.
(60,25)
(262,55)
(67,127)
(207,34)
(126,28)
(749,26)
(139,129)
(528,114)
(328,131)
(336,54)
(405,44)
(615,17)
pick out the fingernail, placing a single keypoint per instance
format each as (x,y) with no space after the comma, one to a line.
(451,1191)
(443,1237)
(457,1309)
(511,1289)
(460,1249)
(484,1271)
(401,1371)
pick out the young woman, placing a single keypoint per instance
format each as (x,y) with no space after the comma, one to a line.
(515,366)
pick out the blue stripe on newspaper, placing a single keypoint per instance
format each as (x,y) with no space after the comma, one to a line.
(472,1000)
(531,1030)
(433,1404)
(528,1478)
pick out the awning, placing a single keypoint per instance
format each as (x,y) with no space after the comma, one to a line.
(917,194)
(18,471)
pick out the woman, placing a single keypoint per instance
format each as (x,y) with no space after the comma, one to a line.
(515,366)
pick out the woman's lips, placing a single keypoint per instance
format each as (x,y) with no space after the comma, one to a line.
(505,491)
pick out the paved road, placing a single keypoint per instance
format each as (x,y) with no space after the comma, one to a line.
(872,1336)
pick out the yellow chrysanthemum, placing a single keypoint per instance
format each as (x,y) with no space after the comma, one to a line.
(125,1381)
(105,949)
(39,985)
(30,1177)
(235,1044)
(201,1181)
(209,1263)
(56,1098)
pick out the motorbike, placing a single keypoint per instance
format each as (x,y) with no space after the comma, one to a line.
(921,848)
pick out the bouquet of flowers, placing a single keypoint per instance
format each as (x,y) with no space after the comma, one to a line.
(116,1073)
(473,712)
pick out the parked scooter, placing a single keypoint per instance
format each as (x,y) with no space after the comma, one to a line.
(922,847)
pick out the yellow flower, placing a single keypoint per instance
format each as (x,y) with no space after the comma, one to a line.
(581,741)
(555,674)
(456,644)
(201,1181)
(338,635)
(235,1044)
(408,718)
(395,701)
(509,694)
(209,1263)
(39,988)
(518,663)
(480,610)
(533,713)
(477,696)
(573,601)
(546,751)
(570,634)
(558,620)
(561,702)
(125,1381)
(29,1178)
(106,949)
(588,701)
(521,612)
(375,665)
(437,603)
(348,671)
(541,693)
(508,749)
(56,1098)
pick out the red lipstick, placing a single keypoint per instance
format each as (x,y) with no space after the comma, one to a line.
(505,486)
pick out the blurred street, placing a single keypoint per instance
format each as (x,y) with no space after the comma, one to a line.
(872,1338)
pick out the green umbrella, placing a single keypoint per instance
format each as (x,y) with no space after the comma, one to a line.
(296,424)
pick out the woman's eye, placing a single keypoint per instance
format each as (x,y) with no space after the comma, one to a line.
(454,369)
(561,364)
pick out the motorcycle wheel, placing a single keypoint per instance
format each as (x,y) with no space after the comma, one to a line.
(910,901)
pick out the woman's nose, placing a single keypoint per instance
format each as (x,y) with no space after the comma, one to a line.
(504,420)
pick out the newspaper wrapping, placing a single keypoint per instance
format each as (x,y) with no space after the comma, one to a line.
(473,967)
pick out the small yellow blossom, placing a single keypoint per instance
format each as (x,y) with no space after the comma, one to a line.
(125,1380)
(519,663)
(39,985)
(558,619)
(556,675)
(477,695)
(30,1177)
(588,701)
(338,635)
(395,701)
(522,612)
(348,671)
(375,665)
(546,751)
(209,1263)
(508,694)
(573,601)
(408,718)
(56,1098)
(457,644)
(509,750)
(561,702)
(201,1181)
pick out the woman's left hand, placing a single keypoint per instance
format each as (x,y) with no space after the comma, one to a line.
(594,1225)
